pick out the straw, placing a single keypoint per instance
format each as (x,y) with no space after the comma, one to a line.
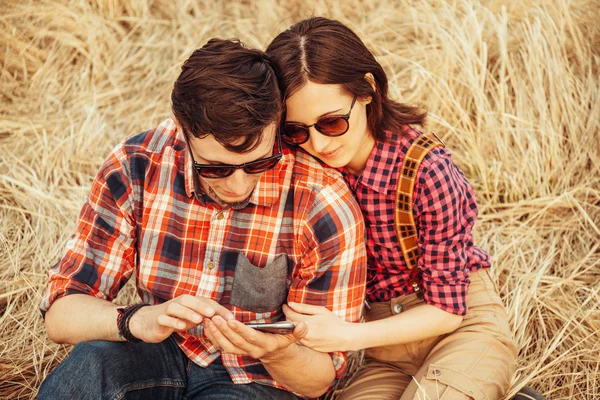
(511,87)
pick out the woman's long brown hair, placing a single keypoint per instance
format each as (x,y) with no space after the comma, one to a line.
(325,51)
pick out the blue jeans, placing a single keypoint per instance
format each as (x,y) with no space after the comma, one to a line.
(119,370)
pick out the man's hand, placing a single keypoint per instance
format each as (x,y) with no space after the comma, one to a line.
(236,338)
(153,324)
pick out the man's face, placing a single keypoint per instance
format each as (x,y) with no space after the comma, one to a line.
(236,189)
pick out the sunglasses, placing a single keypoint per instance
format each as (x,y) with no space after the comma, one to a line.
(330,125)
(218,171)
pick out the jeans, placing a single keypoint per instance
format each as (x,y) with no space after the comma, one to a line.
(120,370)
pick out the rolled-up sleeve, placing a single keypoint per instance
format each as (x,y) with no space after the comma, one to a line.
(333,267)
(100,256)
(445,210)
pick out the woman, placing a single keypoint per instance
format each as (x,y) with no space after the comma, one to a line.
(442,331)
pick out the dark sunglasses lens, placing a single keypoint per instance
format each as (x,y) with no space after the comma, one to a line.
(216,173)
(332,126)
(294,134)
(261,166)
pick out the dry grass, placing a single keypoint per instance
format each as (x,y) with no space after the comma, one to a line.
(513,89)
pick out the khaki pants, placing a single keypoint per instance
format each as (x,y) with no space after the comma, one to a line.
(476,361)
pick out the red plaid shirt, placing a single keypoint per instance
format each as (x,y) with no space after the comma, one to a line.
(445,211)
(145,215)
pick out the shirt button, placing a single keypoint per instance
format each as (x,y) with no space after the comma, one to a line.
(437,372)
(210,265)
(220,217)
(398,308)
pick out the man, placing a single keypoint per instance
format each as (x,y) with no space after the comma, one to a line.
(220,226)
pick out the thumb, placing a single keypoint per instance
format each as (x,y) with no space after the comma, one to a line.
(300,330)
(291,315)
(307,308)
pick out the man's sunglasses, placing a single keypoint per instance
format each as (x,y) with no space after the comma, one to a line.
(330,125)
(218,171)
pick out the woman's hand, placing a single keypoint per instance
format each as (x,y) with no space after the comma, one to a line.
(326,331)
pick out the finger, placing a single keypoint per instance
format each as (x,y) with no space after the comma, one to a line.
(250,335)
(226,328)
(205,307)
(208,334)
(180,311)
(307,308)
(169,322)
(258,343)
(221,311)
(220,339)
(211,333)
(292,315)
(199,305)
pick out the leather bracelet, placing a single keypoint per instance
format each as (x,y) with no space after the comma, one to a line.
(123,319)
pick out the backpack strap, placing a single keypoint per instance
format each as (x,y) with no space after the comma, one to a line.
(404,221)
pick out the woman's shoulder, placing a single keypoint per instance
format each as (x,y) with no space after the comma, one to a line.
(437,165)
(404,138)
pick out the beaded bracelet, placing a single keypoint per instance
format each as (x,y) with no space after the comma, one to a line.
(123,319)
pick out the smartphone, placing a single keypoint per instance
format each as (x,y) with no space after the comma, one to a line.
(274,327)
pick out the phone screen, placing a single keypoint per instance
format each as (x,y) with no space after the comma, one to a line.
(274,327)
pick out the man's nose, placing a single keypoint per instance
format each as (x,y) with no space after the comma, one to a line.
(239,182)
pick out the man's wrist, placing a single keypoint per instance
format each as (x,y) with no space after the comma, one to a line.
(124,323)
(113,330)
(276,356)
(136,324)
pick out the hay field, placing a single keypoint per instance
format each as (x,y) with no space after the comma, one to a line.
(512,88)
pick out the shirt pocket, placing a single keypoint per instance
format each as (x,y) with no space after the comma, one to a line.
(259,289)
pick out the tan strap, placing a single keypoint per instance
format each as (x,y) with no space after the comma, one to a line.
(404,221)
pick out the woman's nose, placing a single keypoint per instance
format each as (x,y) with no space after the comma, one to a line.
(318,141)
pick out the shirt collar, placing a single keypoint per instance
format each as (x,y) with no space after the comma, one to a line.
(192,184)
(267,190)
(380,165)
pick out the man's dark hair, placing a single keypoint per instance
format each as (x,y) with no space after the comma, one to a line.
(228,91)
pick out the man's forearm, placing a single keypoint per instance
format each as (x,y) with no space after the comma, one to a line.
(302,370)
(81,318)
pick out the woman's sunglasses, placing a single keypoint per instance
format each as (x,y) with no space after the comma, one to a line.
(218,171)
(330,125)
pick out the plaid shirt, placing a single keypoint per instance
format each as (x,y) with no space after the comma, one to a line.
(145,215)
(445,211)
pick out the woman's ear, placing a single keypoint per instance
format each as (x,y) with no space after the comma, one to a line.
(371,80)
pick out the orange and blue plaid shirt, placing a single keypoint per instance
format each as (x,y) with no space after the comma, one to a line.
(146,216)
(445,211)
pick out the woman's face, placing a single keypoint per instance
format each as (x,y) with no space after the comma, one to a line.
(314,101)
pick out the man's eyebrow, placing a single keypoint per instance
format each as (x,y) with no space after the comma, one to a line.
(322,115)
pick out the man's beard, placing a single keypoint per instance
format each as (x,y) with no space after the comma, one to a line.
(236,205)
